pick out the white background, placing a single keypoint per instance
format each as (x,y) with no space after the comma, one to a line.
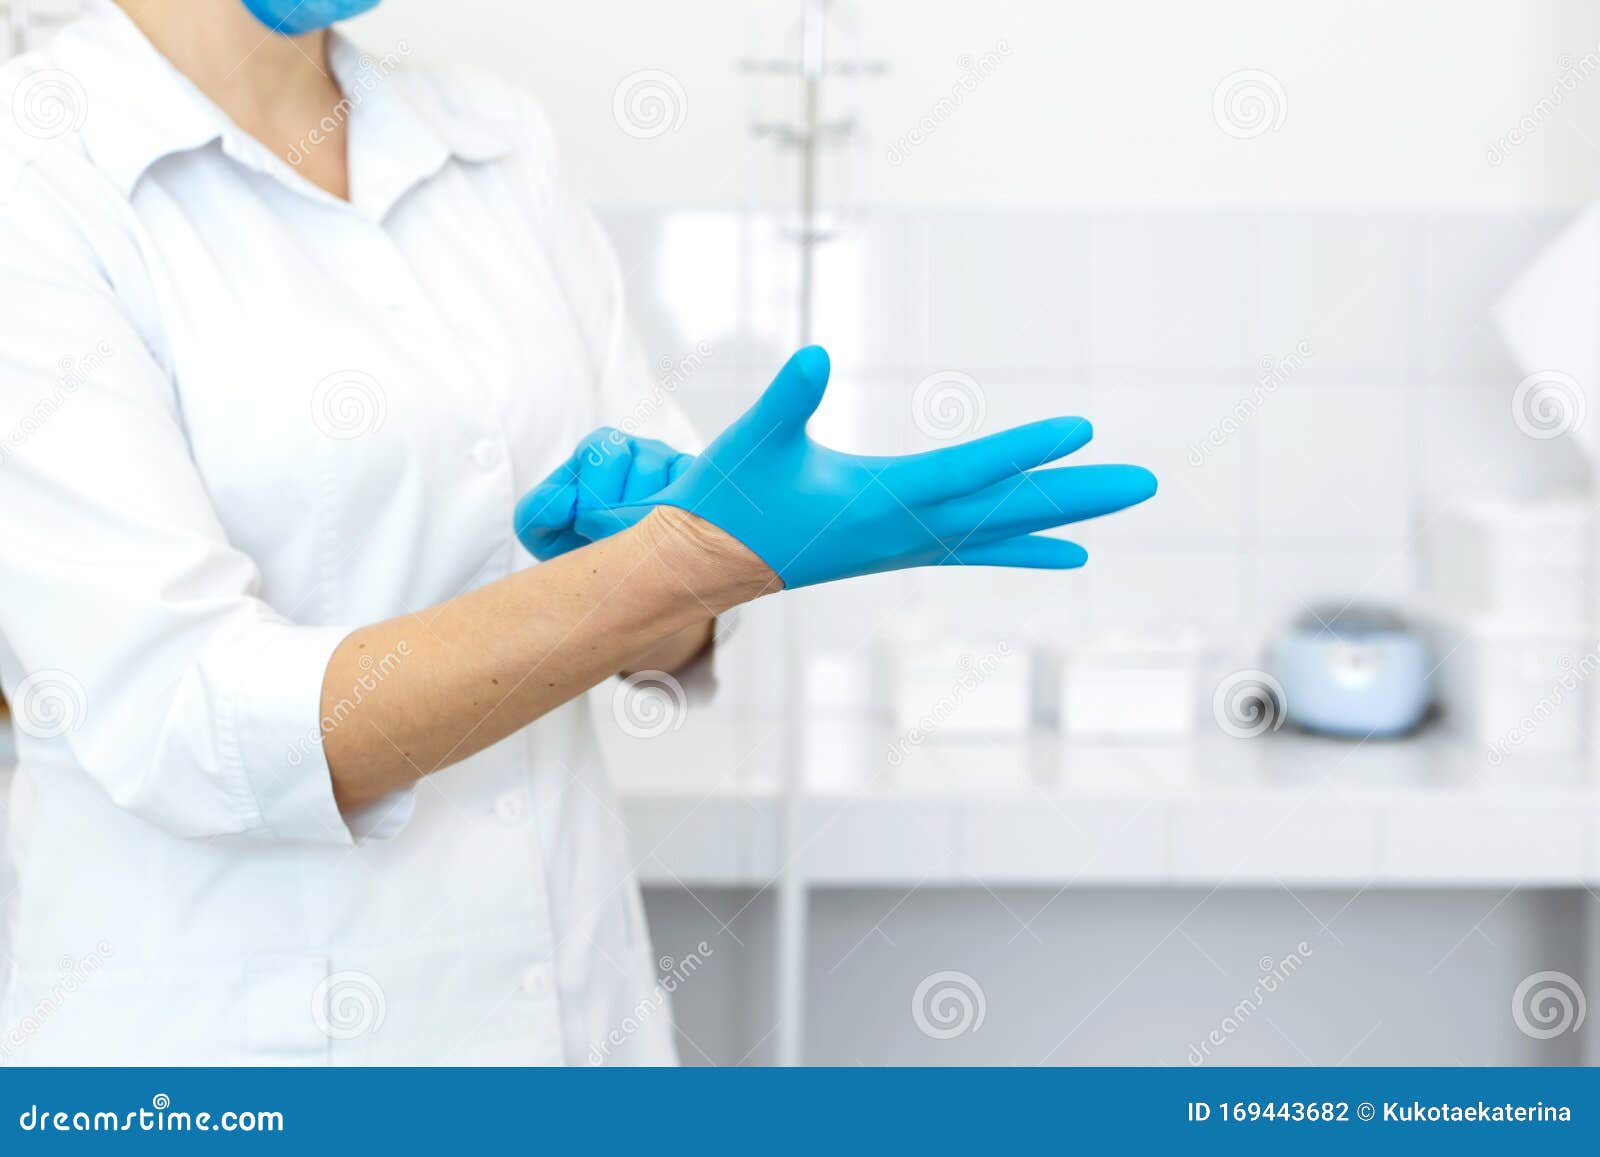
(1083,236)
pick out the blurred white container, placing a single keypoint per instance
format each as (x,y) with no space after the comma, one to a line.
(1508,586)
(1125,687)
(838,683)
(1512,561)
(956,687)
(1513,688)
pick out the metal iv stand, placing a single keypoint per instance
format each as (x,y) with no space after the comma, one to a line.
(20,25)
(17,25)
(790,944)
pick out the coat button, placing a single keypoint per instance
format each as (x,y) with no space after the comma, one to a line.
(536,980)
(512,806)
(486,452)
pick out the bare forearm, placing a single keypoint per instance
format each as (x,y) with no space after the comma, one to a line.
(410,695)
(676,651)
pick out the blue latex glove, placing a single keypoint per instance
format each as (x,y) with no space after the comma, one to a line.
(607,469)
(813,514)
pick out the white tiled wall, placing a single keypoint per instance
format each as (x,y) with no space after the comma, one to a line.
(1096,104)
(1210,511)
(1344,284)
(1334,466)
(1155,325)
(1170,295)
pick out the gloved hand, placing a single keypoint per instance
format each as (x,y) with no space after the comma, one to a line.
(813,514)
(608,468)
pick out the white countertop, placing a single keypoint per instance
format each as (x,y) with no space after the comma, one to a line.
(705,808)
(1283,809)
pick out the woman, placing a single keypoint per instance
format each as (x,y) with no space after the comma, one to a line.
(283,336)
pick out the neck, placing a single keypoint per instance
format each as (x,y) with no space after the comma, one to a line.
(230,56)
(274,87)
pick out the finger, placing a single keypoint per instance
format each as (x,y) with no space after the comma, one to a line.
(543,516)
(1041,499)
(1035,551)
(548,506)
(936,475)
(680,465)
(548,544)
(604,459)
(649,471)
(791,399)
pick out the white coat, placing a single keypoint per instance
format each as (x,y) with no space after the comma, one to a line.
(239,418)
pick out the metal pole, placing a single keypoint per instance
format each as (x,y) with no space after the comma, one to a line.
(19,25)
(813,33)
(790,949)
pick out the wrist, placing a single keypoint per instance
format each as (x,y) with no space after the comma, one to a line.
(716,567)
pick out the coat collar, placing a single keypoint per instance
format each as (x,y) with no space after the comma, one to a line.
(140,109)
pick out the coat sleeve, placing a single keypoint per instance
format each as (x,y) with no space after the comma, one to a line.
(136,647)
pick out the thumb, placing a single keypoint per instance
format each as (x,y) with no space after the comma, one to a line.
(550,505)
(603,521)
(794,394)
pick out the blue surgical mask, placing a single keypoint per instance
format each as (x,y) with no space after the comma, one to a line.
(293,17)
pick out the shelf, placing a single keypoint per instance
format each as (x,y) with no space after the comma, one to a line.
(1280,810)
(704,806)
